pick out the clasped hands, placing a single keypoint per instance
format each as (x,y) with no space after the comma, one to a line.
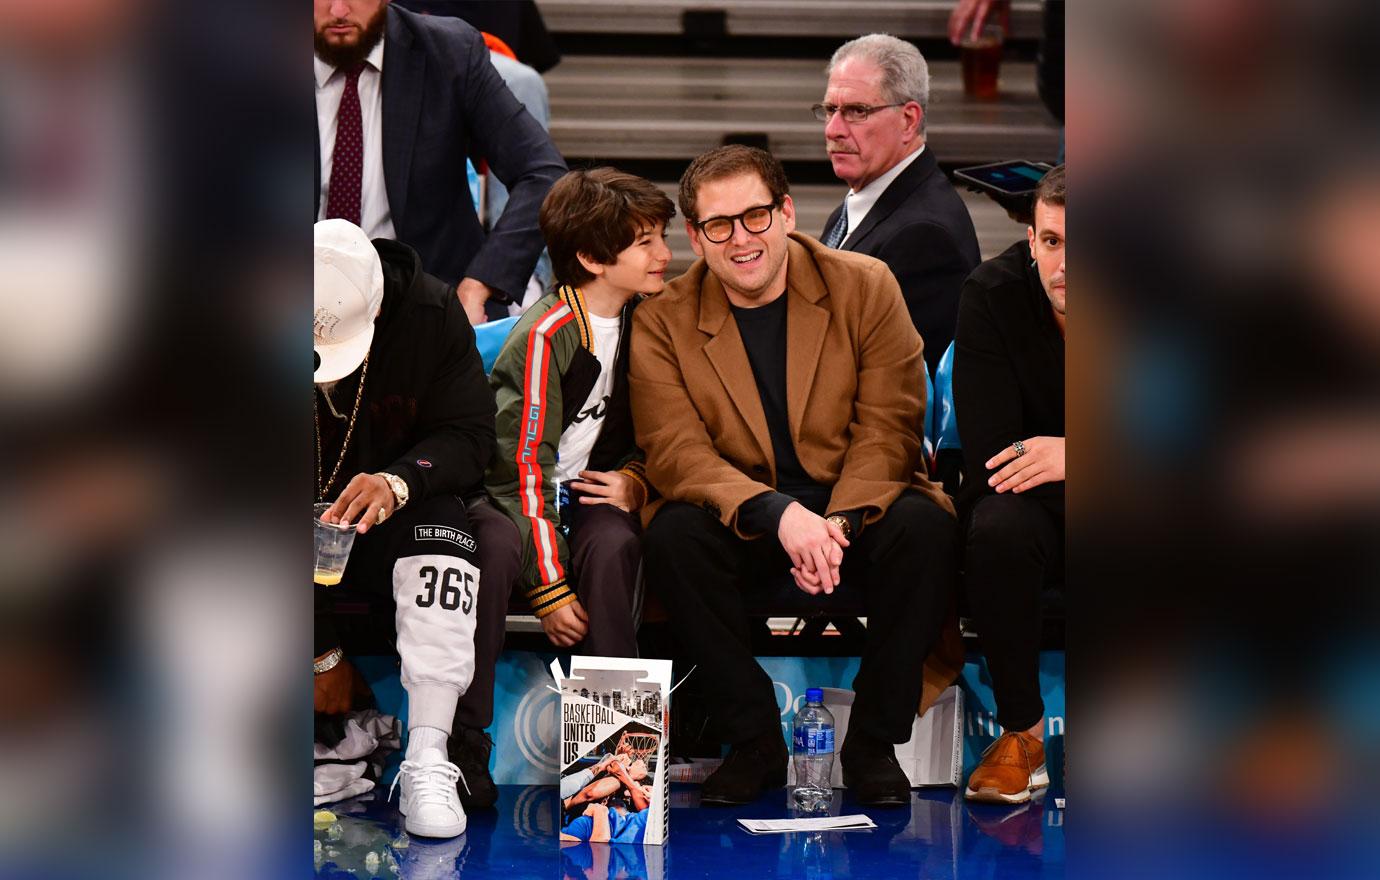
(815,546)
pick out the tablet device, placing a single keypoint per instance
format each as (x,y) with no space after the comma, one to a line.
(1015,178)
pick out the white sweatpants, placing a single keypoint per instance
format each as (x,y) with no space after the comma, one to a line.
(437,597)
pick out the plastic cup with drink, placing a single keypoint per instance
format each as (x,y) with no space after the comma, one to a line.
(980,58)
(333,543)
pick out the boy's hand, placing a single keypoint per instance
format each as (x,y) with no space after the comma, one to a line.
(607,487)
(566,626)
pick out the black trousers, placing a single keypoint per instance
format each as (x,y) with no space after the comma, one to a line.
(605,555)
(906,564)
(500,559)
(1015,544)
(604,559)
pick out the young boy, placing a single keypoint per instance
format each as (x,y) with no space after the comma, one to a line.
(563,416)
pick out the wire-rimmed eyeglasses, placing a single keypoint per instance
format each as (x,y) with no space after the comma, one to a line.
(852,113)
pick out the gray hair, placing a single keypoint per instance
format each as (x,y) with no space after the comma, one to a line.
(905,75)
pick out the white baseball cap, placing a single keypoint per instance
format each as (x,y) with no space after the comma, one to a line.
(348,278)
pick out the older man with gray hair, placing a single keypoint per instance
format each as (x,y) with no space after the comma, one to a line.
(900,207)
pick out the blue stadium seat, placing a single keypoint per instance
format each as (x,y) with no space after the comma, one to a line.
(944,427)
(948,457)
(490,336)
(929,418)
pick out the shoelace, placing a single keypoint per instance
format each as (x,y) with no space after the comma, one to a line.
(431,783)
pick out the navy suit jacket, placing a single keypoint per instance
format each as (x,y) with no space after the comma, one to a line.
(921,229)
(444,101)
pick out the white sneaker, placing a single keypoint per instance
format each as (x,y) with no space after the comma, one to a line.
(430,803)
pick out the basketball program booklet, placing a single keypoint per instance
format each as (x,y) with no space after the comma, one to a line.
(615,717)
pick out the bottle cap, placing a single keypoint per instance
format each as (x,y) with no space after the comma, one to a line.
(814,695)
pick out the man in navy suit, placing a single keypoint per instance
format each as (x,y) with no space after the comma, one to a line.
(393,138)
(900,207)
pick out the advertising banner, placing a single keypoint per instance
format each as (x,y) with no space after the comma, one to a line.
(526,729)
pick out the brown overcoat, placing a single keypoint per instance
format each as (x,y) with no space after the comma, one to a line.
(854,396)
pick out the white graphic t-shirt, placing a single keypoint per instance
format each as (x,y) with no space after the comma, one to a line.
(578,440)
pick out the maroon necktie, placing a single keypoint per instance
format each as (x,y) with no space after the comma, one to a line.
(347,163)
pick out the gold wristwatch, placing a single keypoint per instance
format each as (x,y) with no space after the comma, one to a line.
(399,487)
(844,525)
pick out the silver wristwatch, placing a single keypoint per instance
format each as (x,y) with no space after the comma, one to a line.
(399,487)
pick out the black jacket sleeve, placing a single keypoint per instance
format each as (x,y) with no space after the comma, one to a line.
(987,398)
(761,514)
(930,267)
(455,421)
(522,155)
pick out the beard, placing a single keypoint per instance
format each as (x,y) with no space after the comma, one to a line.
(346,57)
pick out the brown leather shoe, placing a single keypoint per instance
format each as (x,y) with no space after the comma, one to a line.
(1011,768)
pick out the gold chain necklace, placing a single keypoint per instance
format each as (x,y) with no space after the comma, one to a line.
(349,432)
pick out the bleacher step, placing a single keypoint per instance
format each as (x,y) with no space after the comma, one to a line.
(676,108)
(917,19)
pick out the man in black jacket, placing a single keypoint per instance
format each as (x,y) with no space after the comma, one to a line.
(900,207)
(1009,400)
(404,426)
(401,100)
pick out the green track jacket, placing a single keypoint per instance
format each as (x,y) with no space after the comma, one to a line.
(541,378)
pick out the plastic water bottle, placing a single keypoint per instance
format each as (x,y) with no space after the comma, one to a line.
(813,753)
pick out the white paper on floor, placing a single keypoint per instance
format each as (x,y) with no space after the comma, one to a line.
(857,822)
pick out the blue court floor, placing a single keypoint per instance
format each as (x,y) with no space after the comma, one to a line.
(940,836)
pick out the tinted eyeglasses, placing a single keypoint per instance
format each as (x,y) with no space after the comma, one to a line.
(852,113)
(720,229)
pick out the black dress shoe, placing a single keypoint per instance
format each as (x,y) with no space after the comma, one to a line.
(469,750)
(751,768)
(872,773)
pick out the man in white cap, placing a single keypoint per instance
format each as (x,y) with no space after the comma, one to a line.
(404,428)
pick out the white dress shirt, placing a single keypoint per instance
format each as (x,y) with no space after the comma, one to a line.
(860,202)
(374,215)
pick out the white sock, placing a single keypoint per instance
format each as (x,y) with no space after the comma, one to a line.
(419,738)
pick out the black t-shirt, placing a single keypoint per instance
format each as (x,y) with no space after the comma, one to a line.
(763,330)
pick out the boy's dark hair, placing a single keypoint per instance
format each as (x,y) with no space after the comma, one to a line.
(731,161)
(597,212)
(1050,189)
